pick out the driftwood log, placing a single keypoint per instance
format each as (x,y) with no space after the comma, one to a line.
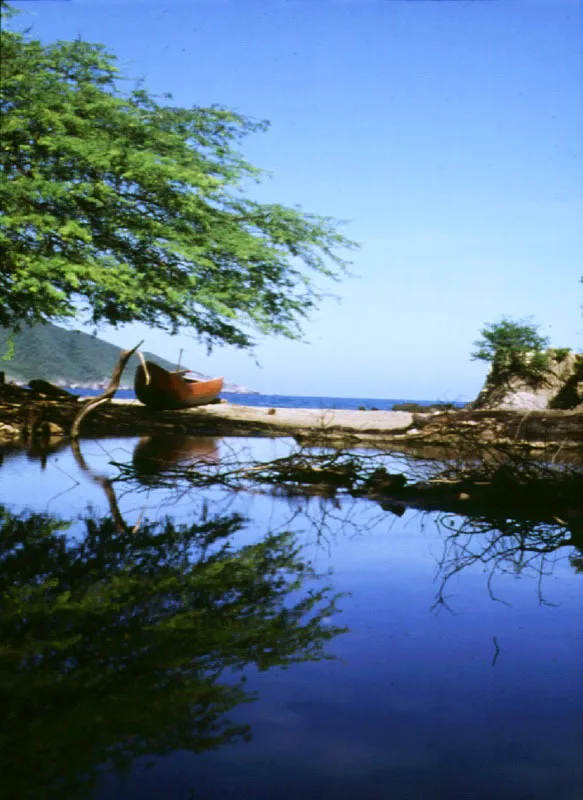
(107,395)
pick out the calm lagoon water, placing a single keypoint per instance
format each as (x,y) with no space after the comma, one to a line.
(453,653)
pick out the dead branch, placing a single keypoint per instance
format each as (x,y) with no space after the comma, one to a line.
(106,396)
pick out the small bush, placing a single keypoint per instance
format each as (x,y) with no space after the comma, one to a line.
(515,350)
(560,354)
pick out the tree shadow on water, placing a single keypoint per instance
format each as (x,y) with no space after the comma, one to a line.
(117,644)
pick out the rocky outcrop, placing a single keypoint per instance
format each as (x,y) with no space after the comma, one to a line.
(546,429)
(560,387)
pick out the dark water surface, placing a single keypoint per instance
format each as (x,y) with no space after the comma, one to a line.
(276,647)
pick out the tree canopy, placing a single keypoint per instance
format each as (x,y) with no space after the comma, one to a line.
(118,207)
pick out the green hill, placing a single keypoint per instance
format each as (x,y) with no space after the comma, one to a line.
(64,356)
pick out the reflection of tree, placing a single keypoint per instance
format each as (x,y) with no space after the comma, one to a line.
(117,644)
(502,546)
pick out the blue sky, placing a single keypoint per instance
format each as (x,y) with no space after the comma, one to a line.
(448,134)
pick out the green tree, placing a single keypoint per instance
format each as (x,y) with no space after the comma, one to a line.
(119,208)
(514,349)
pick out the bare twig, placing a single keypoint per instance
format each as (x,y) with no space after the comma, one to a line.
(496,652)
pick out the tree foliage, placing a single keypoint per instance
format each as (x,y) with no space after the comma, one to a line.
(122,207)
(514,349)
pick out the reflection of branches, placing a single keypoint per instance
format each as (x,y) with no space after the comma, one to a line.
(501,546)
(506,484)
(119,644)
(516,510)
(314,471)
(105,483)
(316,484)
(496,651)
(502,480)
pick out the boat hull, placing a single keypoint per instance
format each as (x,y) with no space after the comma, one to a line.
(169,390)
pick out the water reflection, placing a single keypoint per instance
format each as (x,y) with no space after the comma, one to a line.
(35,449)
(156,455)
(123,638)
(179,466)
(501,546)
(118,644)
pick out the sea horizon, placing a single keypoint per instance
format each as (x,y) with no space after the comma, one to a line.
(299,401)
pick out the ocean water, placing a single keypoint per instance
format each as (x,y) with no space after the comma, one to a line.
(300,401)
(295,401)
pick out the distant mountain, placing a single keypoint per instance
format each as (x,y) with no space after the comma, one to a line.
(71,358)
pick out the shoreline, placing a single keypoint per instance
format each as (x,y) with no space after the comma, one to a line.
(474,444)
(23,414)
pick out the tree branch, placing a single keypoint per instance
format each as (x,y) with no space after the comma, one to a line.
(106,396)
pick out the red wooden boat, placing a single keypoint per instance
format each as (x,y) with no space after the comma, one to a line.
(165,390)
